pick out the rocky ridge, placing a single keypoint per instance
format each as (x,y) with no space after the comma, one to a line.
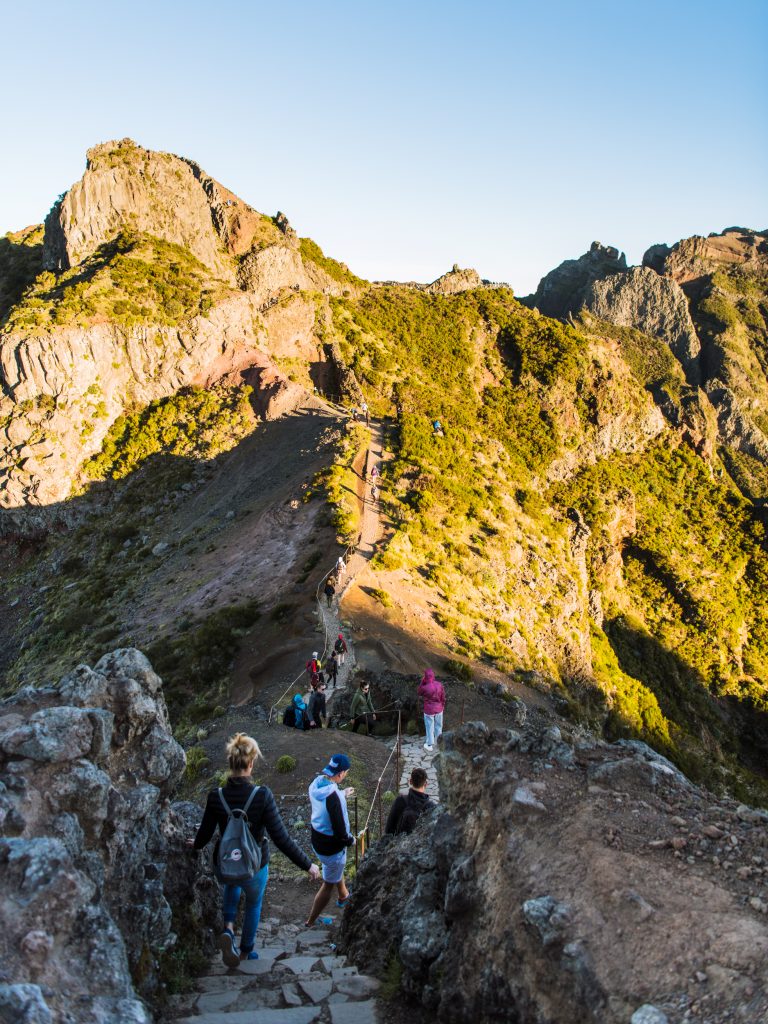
(63,387)
(568,879)
(87,834)
(702,298)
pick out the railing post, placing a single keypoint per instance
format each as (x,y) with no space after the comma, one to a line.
(396,787)
(357,838)
(381,823)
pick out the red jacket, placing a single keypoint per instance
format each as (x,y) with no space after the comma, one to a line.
(432,693)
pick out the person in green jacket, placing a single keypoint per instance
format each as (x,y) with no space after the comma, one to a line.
(361,710)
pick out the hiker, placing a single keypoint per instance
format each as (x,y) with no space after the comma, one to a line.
(406,809)
(341,566)
(361,709)
(295,715)
(315,670)
(332,668)
(366,413)
(437,427)
(433,695)
(317,707)
(340,647)
(331,834)
(374,493)
(374,474)
(239,793)
(329,590)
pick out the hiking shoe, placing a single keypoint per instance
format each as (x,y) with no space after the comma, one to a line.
(343,903)
(253,955)
(230,954)
(427,747)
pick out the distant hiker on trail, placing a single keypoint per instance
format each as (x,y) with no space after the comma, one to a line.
(361,710)
(315,670)
(437,427)
(329,590)
(341,566)
(374,474)
(340,647)
(332,668)
(432,693)
(331,835)
(317,707)
(295,715)
(261,814)
(406,809)
(374,493)
(365,411)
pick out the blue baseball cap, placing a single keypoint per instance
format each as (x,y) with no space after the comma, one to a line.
(338,763)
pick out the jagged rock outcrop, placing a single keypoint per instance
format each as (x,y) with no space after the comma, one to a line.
(455,281)
(126,185)
(654,305)
(565,881)
(562,290)
(86,835)
(691,258)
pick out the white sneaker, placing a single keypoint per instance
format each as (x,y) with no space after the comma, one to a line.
(427,747)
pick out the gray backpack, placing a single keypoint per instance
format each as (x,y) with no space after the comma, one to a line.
(238,857)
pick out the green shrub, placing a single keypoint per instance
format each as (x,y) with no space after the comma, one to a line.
(197,760)
(285,764)
(194,422)
(381,596)
(458,669)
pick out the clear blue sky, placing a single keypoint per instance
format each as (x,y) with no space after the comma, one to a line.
(405,137)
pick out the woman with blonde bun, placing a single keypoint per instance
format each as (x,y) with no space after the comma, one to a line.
(263,819)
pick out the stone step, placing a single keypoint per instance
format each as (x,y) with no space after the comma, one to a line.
(292,1015)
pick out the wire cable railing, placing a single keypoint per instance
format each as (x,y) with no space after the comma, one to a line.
(350,548)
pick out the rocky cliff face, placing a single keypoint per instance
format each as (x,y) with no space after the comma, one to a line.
(568,881)
(651,304)
(60,399)
(86,838)
(124,185)
(706,299)
(63,387)
(561,291)
(691,258)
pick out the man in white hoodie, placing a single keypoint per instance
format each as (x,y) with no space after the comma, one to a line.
(331,834)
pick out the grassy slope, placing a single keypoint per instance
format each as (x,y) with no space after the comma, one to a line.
(134,279)
(685,631)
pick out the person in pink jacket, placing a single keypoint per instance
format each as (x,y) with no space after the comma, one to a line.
(432,693)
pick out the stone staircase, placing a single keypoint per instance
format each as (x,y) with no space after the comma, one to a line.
(415,756)
(298,979)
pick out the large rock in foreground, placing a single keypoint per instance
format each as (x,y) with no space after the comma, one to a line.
(86,835)
(568,883)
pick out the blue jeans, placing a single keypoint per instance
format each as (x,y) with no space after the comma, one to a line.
(434,725)
(254,895)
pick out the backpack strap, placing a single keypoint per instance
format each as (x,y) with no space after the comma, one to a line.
(253,793)
(244,810)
